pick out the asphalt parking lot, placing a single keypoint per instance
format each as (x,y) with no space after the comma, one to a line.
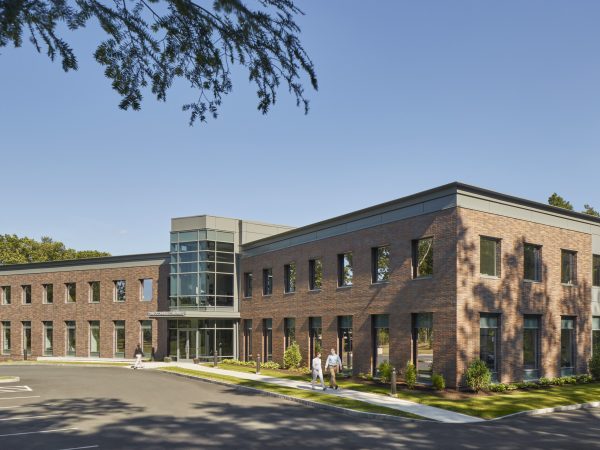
(73,407)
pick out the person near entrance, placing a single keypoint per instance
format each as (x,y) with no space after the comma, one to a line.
(139,354)
(317,371)
(333,363)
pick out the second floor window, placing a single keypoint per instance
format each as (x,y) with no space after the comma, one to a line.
(248,284)
(267,281)
(95,292)
(120,287)
(315,274)
(422,257)
(289,278)
(26,294)
(380,264)
(596,271)
(71,292)
(532,262)
(489,256)
(5,295)
(345,269)
(48,293)
(568,267)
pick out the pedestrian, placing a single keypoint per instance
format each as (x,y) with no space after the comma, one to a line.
(139,354)
(333,363)
(317,371)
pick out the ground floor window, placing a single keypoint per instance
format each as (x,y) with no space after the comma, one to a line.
(489,342)
(27,338)
(381,340)
(6,344)
(567,346)
(202,339)
(248,340)
(71,337)
(146,338)
(423,346)
(94,338)
(289,331)
(345,341)
(119,338)
(268,339)
(531,347)
(596,335)
(315,336)
(48,338)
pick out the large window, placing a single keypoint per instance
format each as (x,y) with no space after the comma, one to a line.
(381,340)
(345,269)
(315,336)
(489,256)
(596,271)
(120,287)
(289,331)
(94,338)
(71,331)
(345,341)
(489,342)
(595,335)
(532,262)
(26,291)
(95,292)
(268,339)
(6,344)
(567,346)
(119,338)
(146,290)
(422,257)
(568,267)
(48,293)
(423,346)
(531,347)
(48,338)
(71,292)
(248,356)
(380,264)
(5,295)
(146,338)
(289,278)
(267,281)
(26,327)
(315,274)
(248,278)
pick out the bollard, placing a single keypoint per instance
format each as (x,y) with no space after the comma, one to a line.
(215,359)
(393,383)
(258,363)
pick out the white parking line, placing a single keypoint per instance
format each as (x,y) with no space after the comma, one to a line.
(13,398)
(7,389)
(80,448)
(38,432)
(29,417)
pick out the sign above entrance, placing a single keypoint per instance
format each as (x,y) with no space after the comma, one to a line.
(166,314)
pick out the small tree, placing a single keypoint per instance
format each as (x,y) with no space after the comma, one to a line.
(292,356)
(385,371)
(438,382)
(410,375)
(595,366)
(478,376)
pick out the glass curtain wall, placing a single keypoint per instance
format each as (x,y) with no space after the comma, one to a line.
(200,338)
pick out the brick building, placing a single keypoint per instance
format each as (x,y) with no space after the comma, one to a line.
(439,278)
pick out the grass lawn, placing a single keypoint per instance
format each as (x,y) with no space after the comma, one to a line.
(297,393)
(484,405)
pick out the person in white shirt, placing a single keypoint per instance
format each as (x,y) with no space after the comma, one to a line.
(333,363)
(317,371)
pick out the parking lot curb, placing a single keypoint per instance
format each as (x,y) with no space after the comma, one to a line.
(542,411)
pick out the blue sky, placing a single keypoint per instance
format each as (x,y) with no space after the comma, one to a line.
(504,95)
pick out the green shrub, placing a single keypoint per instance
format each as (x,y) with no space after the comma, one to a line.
(410,375)
(478,376)
(365,376)
(498,387)
(584,378)
(595,366)
(438,382)
(385,371)
(270,365)
(292,356)
(545,381)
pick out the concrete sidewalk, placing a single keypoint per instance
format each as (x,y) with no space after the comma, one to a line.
(428,412)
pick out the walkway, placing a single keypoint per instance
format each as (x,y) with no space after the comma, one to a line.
(428,412)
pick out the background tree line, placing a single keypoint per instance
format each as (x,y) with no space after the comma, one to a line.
(557,200)
(18,250)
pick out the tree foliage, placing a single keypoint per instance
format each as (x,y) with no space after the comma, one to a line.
(17,250)
(152,43)
(589,209)
(557,200)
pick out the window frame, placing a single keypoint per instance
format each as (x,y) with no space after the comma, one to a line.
(416,275)
(91,291)
(290,276)
(6,350)
(248,280)
(497,256)
(375,269)
(537,347)
(116,291)
(342,281)
(26,294)
(47,325)
(45,294)
(4,297)
(143,290)
(67,294)
(595,270)
(538,264)
(572,266)
(267,274)
(312,274)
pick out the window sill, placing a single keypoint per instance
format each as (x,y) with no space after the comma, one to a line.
(532,281)
(488,277)
(289,293)
(267,295)
(314,291)
(94,303)
(247,298)
(379,283)
(569,285)
(428,277)
(341,288)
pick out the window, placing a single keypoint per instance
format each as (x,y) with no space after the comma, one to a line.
(568,267)
(381,340)
(489,342)
(532,262)
(422,263)
(26,326)
(5,295)
(489,256)
(146,290)
(248,284)
(146,338)
(94,338)
(71,331)
(71,292)
(345,271)
(248,340)
(345,341)
(595,335)
(267,281)
(315,274)
(423,346)
(531,347)
(119,338)
(268,339)
(289,331)
(315,336)
(48,293)
(26,290)
(120,287)
(6,344)
(567,346)
(95,292)
(289,278)
(380,264)
(596,271)
(48,338)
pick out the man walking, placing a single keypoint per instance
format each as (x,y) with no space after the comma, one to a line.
(317,371)
(333,363)
(139,354)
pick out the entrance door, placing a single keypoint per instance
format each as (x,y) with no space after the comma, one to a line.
(186,344)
